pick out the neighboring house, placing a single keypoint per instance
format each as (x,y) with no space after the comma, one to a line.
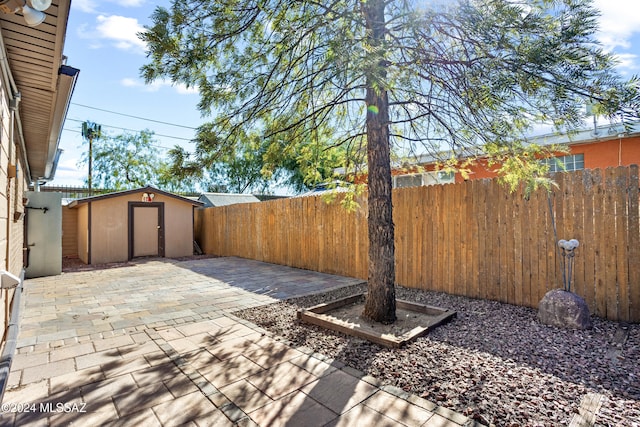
(35,91)
(598,148)
(224,199)
(144,222)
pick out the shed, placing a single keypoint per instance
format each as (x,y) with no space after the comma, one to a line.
(224,199)
(120,226)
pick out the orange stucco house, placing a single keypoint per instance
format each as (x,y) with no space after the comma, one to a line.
(599,148)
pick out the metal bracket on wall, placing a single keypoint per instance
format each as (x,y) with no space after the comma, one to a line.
(44,210)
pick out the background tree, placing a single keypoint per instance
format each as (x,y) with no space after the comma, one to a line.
(90,131)
(129,161)
(432,76)
(253,164)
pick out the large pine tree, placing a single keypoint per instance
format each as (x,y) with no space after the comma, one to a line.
(430,75)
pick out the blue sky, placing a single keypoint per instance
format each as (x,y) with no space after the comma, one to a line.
(101,41)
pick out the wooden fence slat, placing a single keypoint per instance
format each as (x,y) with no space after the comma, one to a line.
(621,186)
(471,238)
(599,204)
(517,258)
(610,284)
(633,255)
(577,211)
(588,244)
(505,229)
(527,248)
(483,240)
(450,242)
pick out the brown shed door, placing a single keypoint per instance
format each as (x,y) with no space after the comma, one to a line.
(146,231)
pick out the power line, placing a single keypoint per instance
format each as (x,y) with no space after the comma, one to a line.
(133,117)
(129,130)
(153,145)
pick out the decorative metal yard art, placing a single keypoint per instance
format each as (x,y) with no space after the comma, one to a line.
(568,253)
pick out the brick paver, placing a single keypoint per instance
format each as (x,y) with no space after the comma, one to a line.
(156,344)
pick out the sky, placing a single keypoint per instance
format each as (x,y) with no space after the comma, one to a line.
(101,41)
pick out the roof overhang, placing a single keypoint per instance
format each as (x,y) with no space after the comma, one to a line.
(41,80)
(147,189)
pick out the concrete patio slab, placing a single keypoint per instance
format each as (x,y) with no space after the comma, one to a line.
(155,343)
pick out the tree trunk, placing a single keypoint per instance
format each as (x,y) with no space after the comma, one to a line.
(380,305)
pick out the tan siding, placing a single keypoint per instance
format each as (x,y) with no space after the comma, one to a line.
(109,228)
(83,233)
(178,223)
(69,232)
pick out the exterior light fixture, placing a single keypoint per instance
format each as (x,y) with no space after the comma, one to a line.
(32,10)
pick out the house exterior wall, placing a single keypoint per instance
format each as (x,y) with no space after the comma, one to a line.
(597,155)
(12,187)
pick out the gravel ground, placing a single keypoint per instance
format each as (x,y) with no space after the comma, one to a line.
(494,363)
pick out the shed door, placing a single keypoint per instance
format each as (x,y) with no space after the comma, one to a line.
(147,229)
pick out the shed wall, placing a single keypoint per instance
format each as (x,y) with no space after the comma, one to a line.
(110,228)
(178,223)
(83,233)
(69,232)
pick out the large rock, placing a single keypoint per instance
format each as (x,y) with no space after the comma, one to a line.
(564,310)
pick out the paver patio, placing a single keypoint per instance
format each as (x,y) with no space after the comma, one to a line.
(155,344)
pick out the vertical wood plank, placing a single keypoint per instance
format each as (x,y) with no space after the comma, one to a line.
(610,283)
(429,247)
(504,231)
(577,211)
(437,239)
(634,245)
(528,221)
(481,215)
(599,203)
(451,243)
(494,241)
(589,244)
(621,243)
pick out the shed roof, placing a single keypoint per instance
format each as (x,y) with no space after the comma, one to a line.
(224,199)
(147,189)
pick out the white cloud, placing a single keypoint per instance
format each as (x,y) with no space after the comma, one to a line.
(121,31)
(619,23)
(91,6)
(129,3)
(619,20)
(158,85)
(86,6)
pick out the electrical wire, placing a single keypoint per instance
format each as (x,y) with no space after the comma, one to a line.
(153,145)
(133,117)
(128,130)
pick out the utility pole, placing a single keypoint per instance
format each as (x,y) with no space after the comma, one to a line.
(91,131)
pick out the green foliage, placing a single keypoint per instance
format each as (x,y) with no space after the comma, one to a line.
(521,166)
(129,161)
(285,82)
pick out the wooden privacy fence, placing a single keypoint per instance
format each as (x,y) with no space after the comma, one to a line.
(474,238)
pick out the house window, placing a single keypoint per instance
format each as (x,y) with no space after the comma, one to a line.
(572,162)
(420,179)
(403,181)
